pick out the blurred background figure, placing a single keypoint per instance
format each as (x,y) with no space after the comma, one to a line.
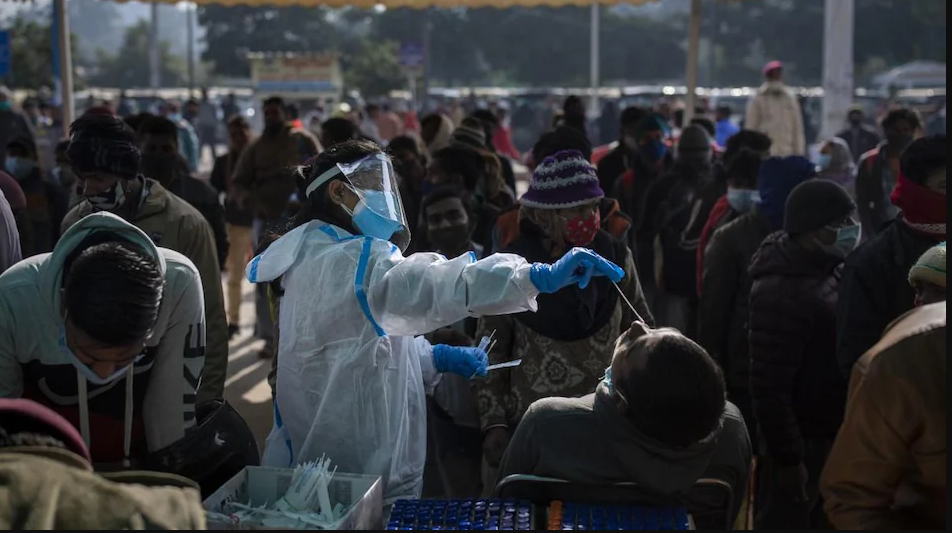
(776,113)
(927,276)
(860,137)
(835,164)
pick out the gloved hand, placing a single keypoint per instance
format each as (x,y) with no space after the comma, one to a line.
(791,482)
(465,361)
(578,266)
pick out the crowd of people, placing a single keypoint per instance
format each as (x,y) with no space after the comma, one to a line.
(687,304)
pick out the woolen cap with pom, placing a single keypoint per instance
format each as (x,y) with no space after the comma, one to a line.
(563,181)
(930,268)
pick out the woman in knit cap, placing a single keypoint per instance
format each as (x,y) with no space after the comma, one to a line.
(565,346)
(928,276)
(836,164)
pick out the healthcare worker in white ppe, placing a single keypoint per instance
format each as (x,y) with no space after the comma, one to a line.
(353,367)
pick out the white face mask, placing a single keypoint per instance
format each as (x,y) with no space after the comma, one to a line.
(85,370)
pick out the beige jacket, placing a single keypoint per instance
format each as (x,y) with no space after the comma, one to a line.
(776,113)
(48,488)
(172,223)
(887,469)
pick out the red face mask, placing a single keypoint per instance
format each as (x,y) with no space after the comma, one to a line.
(922,209)
(581,230)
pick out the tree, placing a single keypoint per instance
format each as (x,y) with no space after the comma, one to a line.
(31,53)
(130,66)
(373,68)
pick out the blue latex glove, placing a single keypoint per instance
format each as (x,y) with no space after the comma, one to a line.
(578,266)
(467,362)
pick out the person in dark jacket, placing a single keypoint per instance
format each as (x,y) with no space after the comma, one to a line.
(17,200)
(722,322)
(158,140)
(797,390)
(875,290)
(860,137)
(672,210)
(879,168)
(45,202)
(238,218)
(490,123)
(612,166)
(657,419)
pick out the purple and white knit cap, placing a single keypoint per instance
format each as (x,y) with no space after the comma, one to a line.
(563,181)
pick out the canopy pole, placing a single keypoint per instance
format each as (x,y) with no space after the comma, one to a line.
(595,58)
(190,32)
(694,44)
(837,66)
(65,63)
(155,77)
(424,99)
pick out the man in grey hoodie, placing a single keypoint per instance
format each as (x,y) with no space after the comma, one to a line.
(9,238)
(663,423)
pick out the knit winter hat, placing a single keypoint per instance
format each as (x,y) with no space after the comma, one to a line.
(469,136)
(930,268)
(694,140)
(814,204)
(563,181)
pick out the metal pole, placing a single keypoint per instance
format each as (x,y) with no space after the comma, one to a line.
(694,41)
(190,31)
(155,75)
(424,98)
(65,62)
(595,57)
(837,65)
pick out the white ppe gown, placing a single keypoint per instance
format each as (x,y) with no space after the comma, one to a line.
(352,371)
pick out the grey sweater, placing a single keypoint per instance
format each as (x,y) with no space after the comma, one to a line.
(586,440)
(9,238)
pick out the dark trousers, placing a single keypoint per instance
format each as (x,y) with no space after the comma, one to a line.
(777,511)
(453,458)
(264,326)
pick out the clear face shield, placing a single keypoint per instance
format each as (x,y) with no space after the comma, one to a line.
(379,212)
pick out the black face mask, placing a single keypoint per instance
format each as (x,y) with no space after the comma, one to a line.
(900,140)
(160,167)
(452,239)
(856,122)
(273,128)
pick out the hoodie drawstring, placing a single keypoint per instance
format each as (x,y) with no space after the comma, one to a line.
(127,422)
(83,410)
(127,429)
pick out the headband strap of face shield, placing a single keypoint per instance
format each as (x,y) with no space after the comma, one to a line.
(379,213)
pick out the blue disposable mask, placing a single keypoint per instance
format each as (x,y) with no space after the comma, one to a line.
(742,200)
(5,106)
(84,369)
(654,150)
(847,239)
(367,215)
(18,167)
(825,161)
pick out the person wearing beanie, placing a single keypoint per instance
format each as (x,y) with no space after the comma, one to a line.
(103,152)
(570,340)
(927,276)
(674,215)
(875,289)
(46,203)
(723,317)
(795,384)
(776,112)
(47,481)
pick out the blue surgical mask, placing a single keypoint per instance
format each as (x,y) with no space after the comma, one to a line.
(825,161)
(18,167)
(5,106)
(368,220)
(84,369)
(654,150)
(608,380)
(742,200)
(847,239)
